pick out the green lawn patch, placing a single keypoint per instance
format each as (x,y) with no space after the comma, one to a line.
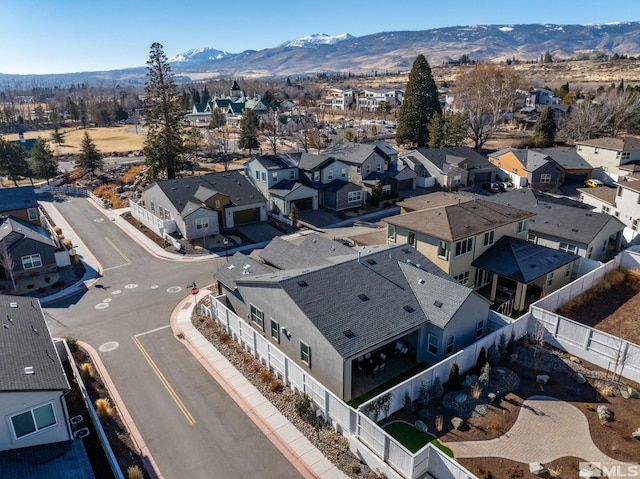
(413,439)
(355,403)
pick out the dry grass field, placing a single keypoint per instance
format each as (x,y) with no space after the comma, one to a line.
(108,139)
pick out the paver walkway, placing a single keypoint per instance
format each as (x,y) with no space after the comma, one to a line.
(546,429)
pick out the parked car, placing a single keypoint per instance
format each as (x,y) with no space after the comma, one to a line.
(593,183)
(492,187)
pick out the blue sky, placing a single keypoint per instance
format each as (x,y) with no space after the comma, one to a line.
(62,36)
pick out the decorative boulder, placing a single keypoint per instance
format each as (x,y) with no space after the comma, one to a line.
(420,426)
(633,393)
(536,468)
(636,434)
(604,413)
(457,423)
(460,398)
(542,379)
(491,397)
(579,378)
(573,359)
(625,394)
(590,472)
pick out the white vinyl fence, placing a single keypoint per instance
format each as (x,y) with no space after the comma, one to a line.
(69,191)
(336,412)
(151,221)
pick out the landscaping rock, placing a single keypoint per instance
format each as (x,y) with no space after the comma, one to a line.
(536,468)
(460,398)
(513,357)
(636,434)
(542,379)
(573,359)
(625,394)
(604,413)
(579,378)
(590,473)
(457,423)
(491,397)
(420,426)
(633,393)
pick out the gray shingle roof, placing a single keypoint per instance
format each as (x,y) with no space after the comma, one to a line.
(357,153)
(17,198)
(384,278)
(231,183)
(522,260)
(324,247)
(236,268)
(623,143)
(568,159)
(280,161)
(284,255)
(284,187)
(24,229)
(453,155)
(25,342)
(309,161)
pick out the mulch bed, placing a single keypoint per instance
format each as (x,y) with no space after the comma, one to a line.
(123,447)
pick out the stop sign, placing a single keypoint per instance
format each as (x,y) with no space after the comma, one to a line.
(194,291)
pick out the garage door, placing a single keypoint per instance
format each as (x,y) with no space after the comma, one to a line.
(304,204)
(575,178)
(479,178)
(405,184)
(246,216)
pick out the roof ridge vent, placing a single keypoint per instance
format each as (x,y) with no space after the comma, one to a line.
(437,303)
(29,370)
(421,280)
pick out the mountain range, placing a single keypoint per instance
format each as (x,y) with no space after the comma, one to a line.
(382,52)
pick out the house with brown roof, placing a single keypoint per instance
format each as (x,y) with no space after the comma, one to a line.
(454,235)
(615,156)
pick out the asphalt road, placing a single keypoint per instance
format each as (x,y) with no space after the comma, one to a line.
(191,426)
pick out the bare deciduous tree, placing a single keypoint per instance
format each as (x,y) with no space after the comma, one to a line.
(7,262)
(483,94)
(217,144)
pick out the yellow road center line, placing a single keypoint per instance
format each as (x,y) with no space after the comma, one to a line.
(164,382)
(118,250)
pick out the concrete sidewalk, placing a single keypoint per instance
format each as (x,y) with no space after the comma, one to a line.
(304,456)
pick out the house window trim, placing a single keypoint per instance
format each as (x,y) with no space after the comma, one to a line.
(275,330)
(449,346)
(316,176)
(489,238)
(254,316)
(33,418)
(202,223)
(32,214)
(432,347)
(391,233)
(568,247)
(306,353)
(480,328)
(466,245)
(545,177)
(522,226)
(29,261)
(354,196)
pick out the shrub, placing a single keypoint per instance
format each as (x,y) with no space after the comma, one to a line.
(276,386)
(484,375)
(502,346)
(606,391)
(356,468)
(86,371)
(439,423)
(588,407)
(436,390)
(476,391)
(454,377)
(303,404)
(255,366)
(423,394)
(266,375)
(407,403)
(515,472)
(555,471)
(72,343)
(134,472)
(480,362)
(224,337)
(493,356)
(103,408)
(58,230)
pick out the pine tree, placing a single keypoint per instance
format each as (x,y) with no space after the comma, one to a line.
(13,162)
(545,130)
(249,128)
(164,118)
(436,131)
(419,105)
(44,164)
(89,157)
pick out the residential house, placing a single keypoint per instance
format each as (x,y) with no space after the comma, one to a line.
(541,97)
(372,100)
(278,179)
(32,382)
(20,202)
(615,156)
(566,225)
(30,250)
(522,272)
(452,236)
(339,99)
(528,168)
(452,167)
(203,205)
(328,317)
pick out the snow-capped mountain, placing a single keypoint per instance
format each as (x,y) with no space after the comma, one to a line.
(199,54)
(316,39)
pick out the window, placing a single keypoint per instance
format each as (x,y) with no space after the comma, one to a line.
(479,329)
(305,353)
(161,212)
(343,172)
(590,251)
(316,176)
(275,330)
(619,191)
(153,208)
(488,238)
(33,420)
(463,247)
(634,225)
(391,233)
(568,247)
(379,167)
(264,177)
(448,349)
(532,238)
(550,279)
(217,204)
(443,249)
(567,271)
(359,169)
(605,209)
(258,175)
(604,246)
(330,174)
(202,223)
(386,189)
(274,176)
(167,215)
(462,278)
(31,261)
(616,214)
(514,171)
(596,150)
(354,196)
(368,168)
(292,175)
(257,316)
(522,226)
(433,345)
(33,214)
(411,238)
(545,178)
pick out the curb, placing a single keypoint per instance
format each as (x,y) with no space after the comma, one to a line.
(147,458)
(180,327)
